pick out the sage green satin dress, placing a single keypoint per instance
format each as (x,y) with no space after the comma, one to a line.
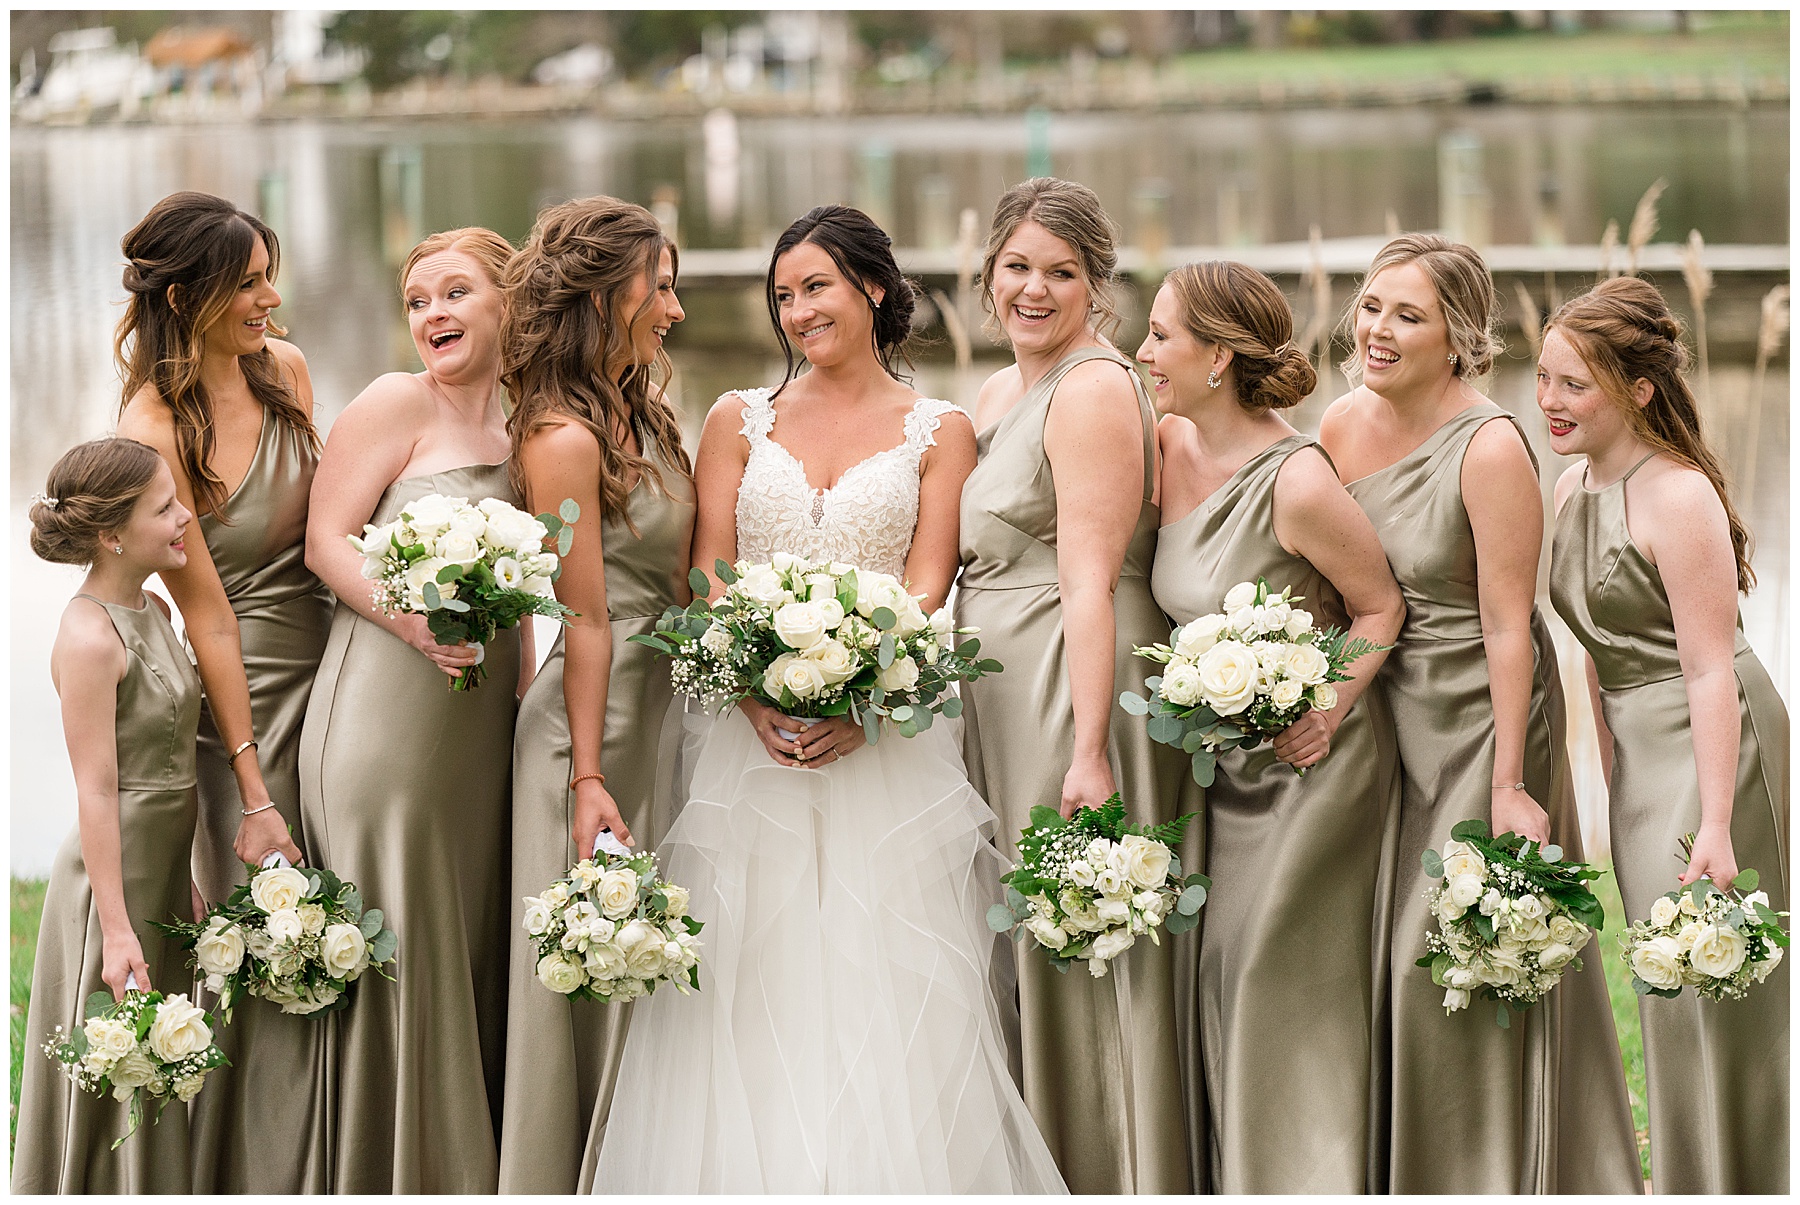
(1540,1106)
(64,1135)
(1100,1072)
(246,1139)
(562,1055)
(1284,972)
(405,786)
(1717,1072)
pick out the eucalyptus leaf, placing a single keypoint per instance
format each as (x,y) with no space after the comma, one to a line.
(1181,922)
(569,511)
(1000,918)
(1134,704)
(725,572)
(871,726)
(699,583)
(1206,763)
(1503,1018)
(952,708)
(1747,879)
(433,600)
(884,655)
(1433,863)
(1551,853)
(884,618)
(565,540)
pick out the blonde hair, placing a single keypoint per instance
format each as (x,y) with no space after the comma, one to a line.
(1465,292)
(1237,307)
(1072,213)
(1624,332)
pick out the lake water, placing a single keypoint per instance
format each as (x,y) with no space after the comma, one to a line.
(349,199)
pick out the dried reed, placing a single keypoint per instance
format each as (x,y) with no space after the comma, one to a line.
(1609,247)
(1529,319)
(1699,285)
(1643,224)
(1768,342)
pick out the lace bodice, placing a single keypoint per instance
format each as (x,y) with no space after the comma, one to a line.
(866,519)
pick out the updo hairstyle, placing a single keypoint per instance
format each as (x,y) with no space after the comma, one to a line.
(93,488)
(864,253)
(1072,212)
(1242,310)
(1465,293)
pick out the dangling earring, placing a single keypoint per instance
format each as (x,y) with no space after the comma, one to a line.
(1212,380)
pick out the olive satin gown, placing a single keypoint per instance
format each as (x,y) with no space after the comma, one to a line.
(1717,1073)
(405,788)
(562,1055)
(1099,1068)
(1285,985)
(64,1134)
(246,1139)
(1540,1106)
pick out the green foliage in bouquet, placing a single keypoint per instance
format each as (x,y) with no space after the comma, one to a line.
(146,1045)
(1718,941)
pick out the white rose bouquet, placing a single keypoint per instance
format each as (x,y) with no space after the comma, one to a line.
(1716,942)
(295,936)
(1236,678)
(1088,887)
(816,639)
(613,929)
(1512,916)
(471,571)
(147,1046)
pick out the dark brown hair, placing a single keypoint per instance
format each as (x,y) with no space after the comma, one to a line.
(93,487)
(184,262)
(1624,332)
(564,293)
(864,253)
(1071,212)
(1239,308)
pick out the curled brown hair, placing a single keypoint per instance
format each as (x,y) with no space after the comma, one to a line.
(1465,292)
(93,487)
(184,261)
(1624,332)
(564,295)
(1071,212)
(1240,309)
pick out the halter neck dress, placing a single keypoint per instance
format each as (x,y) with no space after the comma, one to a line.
(1716,1072)
(63,1140)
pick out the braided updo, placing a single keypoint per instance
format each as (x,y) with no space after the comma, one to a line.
(93,488)
(1237,307)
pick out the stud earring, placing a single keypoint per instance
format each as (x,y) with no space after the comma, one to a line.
(119,549)
(1453,357)
(1212,380)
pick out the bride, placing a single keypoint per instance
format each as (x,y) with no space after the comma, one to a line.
(850,1035)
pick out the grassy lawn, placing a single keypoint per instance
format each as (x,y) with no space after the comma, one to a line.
(28,906)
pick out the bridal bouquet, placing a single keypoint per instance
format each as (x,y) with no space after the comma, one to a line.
(1512,916)
(294,936)
(1243,675)
(146,1046)
(471,570)
(1716,942)
(816,639)
(1088,887)
(613,929)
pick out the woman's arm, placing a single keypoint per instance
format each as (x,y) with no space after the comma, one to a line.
(936,554)
(369,445)
(88,662)
(563,461)
(212,630)
(718,472)
(1315,518)
(1500,494)
(1686,535)
(1094,440)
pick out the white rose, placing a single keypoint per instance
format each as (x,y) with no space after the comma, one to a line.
(618,892)
(1446,908)
(220,949)
(605,962)
(1181,684)
(277,888)
(284,925)
(1110,882)
(912,618)
(1463,978)
(1687,905)
(431,514)
(835,661)
(901,674)
(678,900)
(135,1070)
(1113,910)
(1239,596)
(424,571)
(508,573)
(1299,623)
(458,548)
(1081,873)
(1287,693)
(1324,697)
(1465,889)
(312,917)
(1555,956)
(785,562)
(557,896)
(1110,945)
(601,930)
(877,590)
(943,625)
(1228,675)
(260,945)
(1658,963)
(1690,933)
(515,530)
(1192,640)
(586,874)
(762,585)
(1048,933)
(799,677)
(1146,862)
(1566,931)
(1243,622)
(110,1039)
(188,1087)
(1463,861)
(717,640)
(800,625)
(560,973)
(642,946)
(342,949)
(1492,901)
(1504,968)
(180,1029)
(1753,899)
(1718,951)
(1305,663)
(1530,907)
(1275,616)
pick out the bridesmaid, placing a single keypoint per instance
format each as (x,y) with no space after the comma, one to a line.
(1055,571)
(223,403)
(403,782)
(1451,485)
(130,707)
(1647,561)
(1284,969)
(589,301)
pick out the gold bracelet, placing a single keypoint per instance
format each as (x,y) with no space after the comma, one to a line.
(581,778)
(249,744)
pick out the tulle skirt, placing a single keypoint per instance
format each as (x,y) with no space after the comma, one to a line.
(855,1028)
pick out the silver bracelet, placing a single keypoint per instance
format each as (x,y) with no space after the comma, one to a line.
(1509,786)
(253,811)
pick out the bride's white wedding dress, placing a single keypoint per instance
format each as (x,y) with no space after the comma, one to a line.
(849,1035)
